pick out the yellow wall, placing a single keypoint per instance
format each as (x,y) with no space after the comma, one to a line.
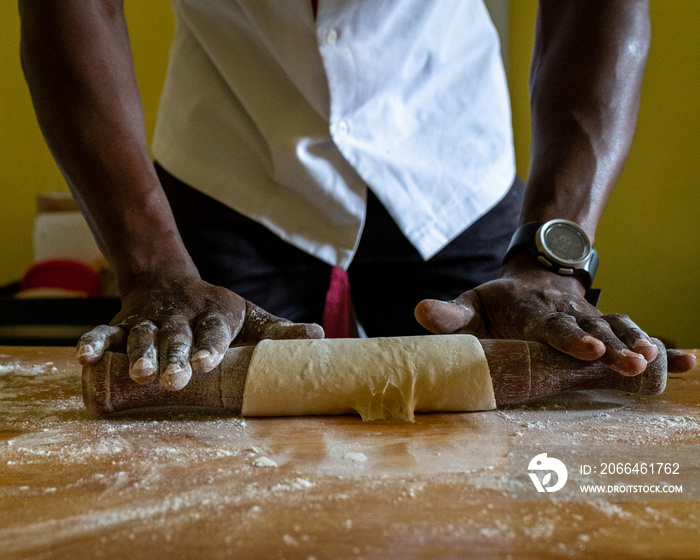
(649,237)
(648,241)
(26,166)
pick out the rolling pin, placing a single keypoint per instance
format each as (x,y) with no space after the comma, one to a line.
(519,371)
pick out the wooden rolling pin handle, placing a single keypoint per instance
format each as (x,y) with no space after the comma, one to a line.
(108,388)
(519,371)
(525,370)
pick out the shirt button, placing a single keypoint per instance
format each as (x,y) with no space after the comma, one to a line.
(341,128)
(331,36)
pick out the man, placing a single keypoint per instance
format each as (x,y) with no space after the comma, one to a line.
(296,135)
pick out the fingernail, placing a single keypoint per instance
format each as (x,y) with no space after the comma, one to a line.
(314,330)
(641,343)
(202,361)
(590,339)
(175,377)
(630,354)
(143,364)
(201,355)
(84,350)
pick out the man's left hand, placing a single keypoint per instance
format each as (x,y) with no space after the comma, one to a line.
(530,303)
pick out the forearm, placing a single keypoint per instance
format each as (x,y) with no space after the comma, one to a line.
(585,79)
(77,62)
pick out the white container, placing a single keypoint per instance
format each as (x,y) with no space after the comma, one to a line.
(61,232)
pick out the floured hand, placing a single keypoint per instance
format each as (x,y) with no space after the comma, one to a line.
(170,329)
(530,303)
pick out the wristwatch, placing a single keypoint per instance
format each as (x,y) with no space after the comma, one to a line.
(560,246)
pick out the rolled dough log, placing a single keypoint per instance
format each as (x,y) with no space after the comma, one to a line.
(380,378)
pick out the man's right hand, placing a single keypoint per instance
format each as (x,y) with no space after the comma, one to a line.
(170,329)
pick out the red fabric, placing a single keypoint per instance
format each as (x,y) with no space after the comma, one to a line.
(338,315)
(66,274)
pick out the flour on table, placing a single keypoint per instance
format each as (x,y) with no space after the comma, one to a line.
(264,462)
(293,484)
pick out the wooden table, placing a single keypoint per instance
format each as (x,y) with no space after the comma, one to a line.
(192,485)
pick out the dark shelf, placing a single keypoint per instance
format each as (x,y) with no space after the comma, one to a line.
(58,312)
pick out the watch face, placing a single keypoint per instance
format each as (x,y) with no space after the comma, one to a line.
(566,243)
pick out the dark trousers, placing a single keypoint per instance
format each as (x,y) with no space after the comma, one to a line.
(387,276)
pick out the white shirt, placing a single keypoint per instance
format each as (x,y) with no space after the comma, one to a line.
(287,119)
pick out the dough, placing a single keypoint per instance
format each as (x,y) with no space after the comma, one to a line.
(380,378)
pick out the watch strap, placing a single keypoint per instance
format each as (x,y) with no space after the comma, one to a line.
(523,238)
